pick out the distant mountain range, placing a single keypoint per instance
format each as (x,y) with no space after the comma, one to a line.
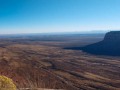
(110,45)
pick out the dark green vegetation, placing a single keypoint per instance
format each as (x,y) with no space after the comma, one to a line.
(41,62)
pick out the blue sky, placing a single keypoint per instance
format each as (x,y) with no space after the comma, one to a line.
(41,16)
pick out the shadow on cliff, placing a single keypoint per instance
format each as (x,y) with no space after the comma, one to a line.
(109,46)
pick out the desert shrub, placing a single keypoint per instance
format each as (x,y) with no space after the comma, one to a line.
(6,83)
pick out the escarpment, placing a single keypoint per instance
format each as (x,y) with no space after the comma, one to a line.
(110,45)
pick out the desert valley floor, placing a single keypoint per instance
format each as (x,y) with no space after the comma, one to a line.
(44,63)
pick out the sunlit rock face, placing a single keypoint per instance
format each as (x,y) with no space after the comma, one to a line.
(110,45)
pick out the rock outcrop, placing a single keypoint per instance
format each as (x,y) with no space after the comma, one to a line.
(112,36)
(109,46)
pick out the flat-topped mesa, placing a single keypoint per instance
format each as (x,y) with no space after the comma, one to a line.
(109,46)
(113,36)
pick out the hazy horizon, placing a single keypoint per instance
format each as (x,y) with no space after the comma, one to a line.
(61,33)
(54,16)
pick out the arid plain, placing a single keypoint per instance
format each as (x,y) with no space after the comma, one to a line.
(40,61)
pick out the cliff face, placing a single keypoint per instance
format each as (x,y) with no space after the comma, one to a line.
(113,36)
(109,46)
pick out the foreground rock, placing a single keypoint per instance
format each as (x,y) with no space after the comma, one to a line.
(6,83)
